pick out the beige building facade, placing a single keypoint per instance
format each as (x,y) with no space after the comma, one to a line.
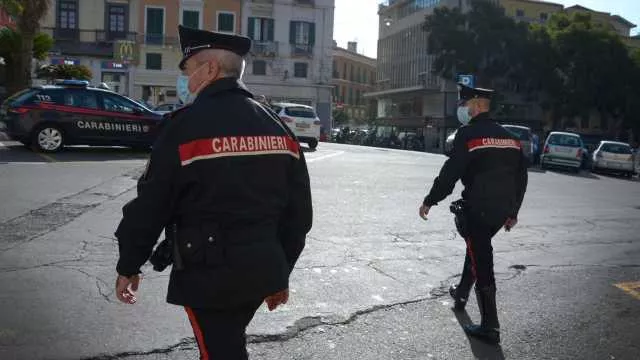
(353,76)
(88,32)
(158,42)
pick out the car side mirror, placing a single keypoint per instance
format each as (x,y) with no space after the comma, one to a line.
(138,111)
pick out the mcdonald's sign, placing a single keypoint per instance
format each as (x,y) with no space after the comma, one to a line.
(125,51)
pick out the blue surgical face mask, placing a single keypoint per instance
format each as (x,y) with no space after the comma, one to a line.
(463,115)
(182,87)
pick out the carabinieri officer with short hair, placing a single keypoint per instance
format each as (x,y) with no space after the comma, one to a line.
(230,178)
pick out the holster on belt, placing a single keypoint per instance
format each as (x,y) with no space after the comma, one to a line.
(167,253)
(459,210)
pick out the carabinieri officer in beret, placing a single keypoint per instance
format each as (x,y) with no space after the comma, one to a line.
(489,161)
(231,178)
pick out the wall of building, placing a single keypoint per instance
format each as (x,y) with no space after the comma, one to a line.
(279,83)
(533,10)
(353,76)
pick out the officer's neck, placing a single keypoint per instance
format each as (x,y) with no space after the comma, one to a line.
(480,116)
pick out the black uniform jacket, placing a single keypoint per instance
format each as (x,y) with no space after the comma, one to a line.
(234,180)
(493,169)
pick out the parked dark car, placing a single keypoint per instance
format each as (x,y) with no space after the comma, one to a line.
(49,117)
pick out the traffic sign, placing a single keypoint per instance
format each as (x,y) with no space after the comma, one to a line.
(467,80)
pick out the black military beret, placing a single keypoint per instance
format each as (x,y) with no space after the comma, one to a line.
(194,40)
(468,93)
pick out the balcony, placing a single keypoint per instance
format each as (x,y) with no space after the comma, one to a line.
(264,48)
(301,50)
(158,39)
(86,42)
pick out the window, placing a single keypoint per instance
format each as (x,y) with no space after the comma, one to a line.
(154,61)
(302,33)
(344,71)
(47,96)
(117,18)
(68,14)
(81,98)
(350,98)
(544,16)
(115,103)
(191,18)
(154,28)
(351,74)
(260,29)
(520,13)
(226,21)
(616,148)
(259,67)
(564,140)
(300,70)
(299,111)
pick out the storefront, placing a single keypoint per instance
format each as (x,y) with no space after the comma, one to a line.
(116,76)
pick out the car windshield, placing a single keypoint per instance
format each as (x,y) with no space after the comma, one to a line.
(564,140)
(616,148)
(299,111)
(19,97)
(522,134)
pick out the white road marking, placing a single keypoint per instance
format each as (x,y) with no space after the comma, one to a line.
(325,156)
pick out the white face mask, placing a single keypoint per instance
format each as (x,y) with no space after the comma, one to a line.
(463,115)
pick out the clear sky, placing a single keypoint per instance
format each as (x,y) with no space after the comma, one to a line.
(357,20)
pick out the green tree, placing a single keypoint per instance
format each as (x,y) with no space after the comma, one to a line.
(484,42)
(340,117)
(63,71)
(11,43)
(28,14)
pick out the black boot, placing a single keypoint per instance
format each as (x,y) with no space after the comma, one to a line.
(460,293)
(489,328)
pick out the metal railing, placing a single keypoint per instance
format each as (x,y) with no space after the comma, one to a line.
(264,48)
(87,36)
(301,50)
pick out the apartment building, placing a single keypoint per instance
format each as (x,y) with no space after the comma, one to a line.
(86,32)
(353,75)
(159,45)
(291,55)
(409,97)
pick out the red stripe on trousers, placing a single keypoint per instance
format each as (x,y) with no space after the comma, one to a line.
(204,354)
(472,257)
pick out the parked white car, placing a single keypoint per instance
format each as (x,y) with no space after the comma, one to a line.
(615,157)
(302,120)
(562,149)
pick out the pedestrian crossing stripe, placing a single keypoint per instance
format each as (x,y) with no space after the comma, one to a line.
(632,288)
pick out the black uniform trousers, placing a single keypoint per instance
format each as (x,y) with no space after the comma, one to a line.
(221,333)
(478,262)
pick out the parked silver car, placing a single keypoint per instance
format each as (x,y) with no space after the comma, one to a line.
(525,135)
(563,149)
(615,157)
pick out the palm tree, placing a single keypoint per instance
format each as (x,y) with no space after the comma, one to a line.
(28,14)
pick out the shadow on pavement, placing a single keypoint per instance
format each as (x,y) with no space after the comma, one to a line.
(17,153)
(480,350)
(582,174)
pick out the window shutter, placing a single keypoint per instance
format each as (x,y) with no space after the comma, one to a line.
(251,28)
(270,29)
(292,32)
(312,34)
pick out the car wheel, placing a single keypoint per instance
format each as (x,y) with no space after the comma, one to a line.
(48,138)
(313,144)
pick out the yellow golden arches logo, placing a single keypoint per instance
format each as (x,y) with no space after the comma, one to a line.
(125,50)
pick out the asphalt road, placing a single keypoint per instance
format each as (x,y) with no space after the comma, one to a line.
(370,284)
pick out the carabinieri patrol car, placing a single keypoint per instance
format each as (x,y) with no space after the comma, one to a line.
(73,113)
